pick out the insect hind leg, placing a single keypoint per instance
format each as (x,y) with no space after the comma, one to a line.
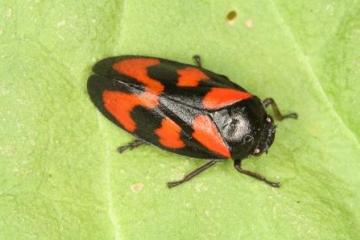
(131,145)
(278,115)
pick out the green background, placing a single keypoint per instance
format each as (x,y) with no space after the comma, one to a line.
(60,174)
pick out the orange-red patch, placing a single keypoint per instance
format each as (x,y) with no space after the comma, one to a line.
(221,97)
(121,104)
(137,69)
(208,135)
(169,134)
(190,77)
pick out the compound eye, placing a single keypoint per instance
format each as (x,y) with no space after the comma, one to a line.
(256,151)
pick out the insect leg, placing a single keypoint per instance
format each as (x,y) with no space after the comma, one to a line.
(192,174)
(131,145)
(237,165)
(197,60)
(278,115)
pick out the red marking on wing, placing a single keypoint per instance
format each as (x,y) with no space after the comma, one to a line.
(121,104)
(190,77)
(222,97)
(169,134)
(208,135)
(137,69)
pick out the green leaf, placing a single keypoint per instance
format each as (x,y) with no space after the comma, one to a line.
(60,174)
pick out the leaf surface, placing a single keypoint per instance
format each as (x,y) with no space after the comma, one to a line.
(60,174)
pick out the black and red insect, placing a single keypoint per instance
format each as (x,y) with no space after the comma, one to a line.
(184,109)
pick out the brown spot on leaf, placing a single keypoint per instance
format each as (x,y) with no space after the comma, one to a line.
(137,187)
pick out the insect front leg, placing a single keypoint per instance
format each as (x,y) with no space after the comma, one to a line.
(131,145)
(237,165)
(192,174)
(270,102)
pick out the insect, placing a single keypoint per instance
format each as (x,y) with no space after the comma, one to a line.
(185,109)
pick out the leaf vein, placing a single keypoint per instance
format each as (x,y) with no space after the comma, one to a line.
(107,179)
(303,58)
